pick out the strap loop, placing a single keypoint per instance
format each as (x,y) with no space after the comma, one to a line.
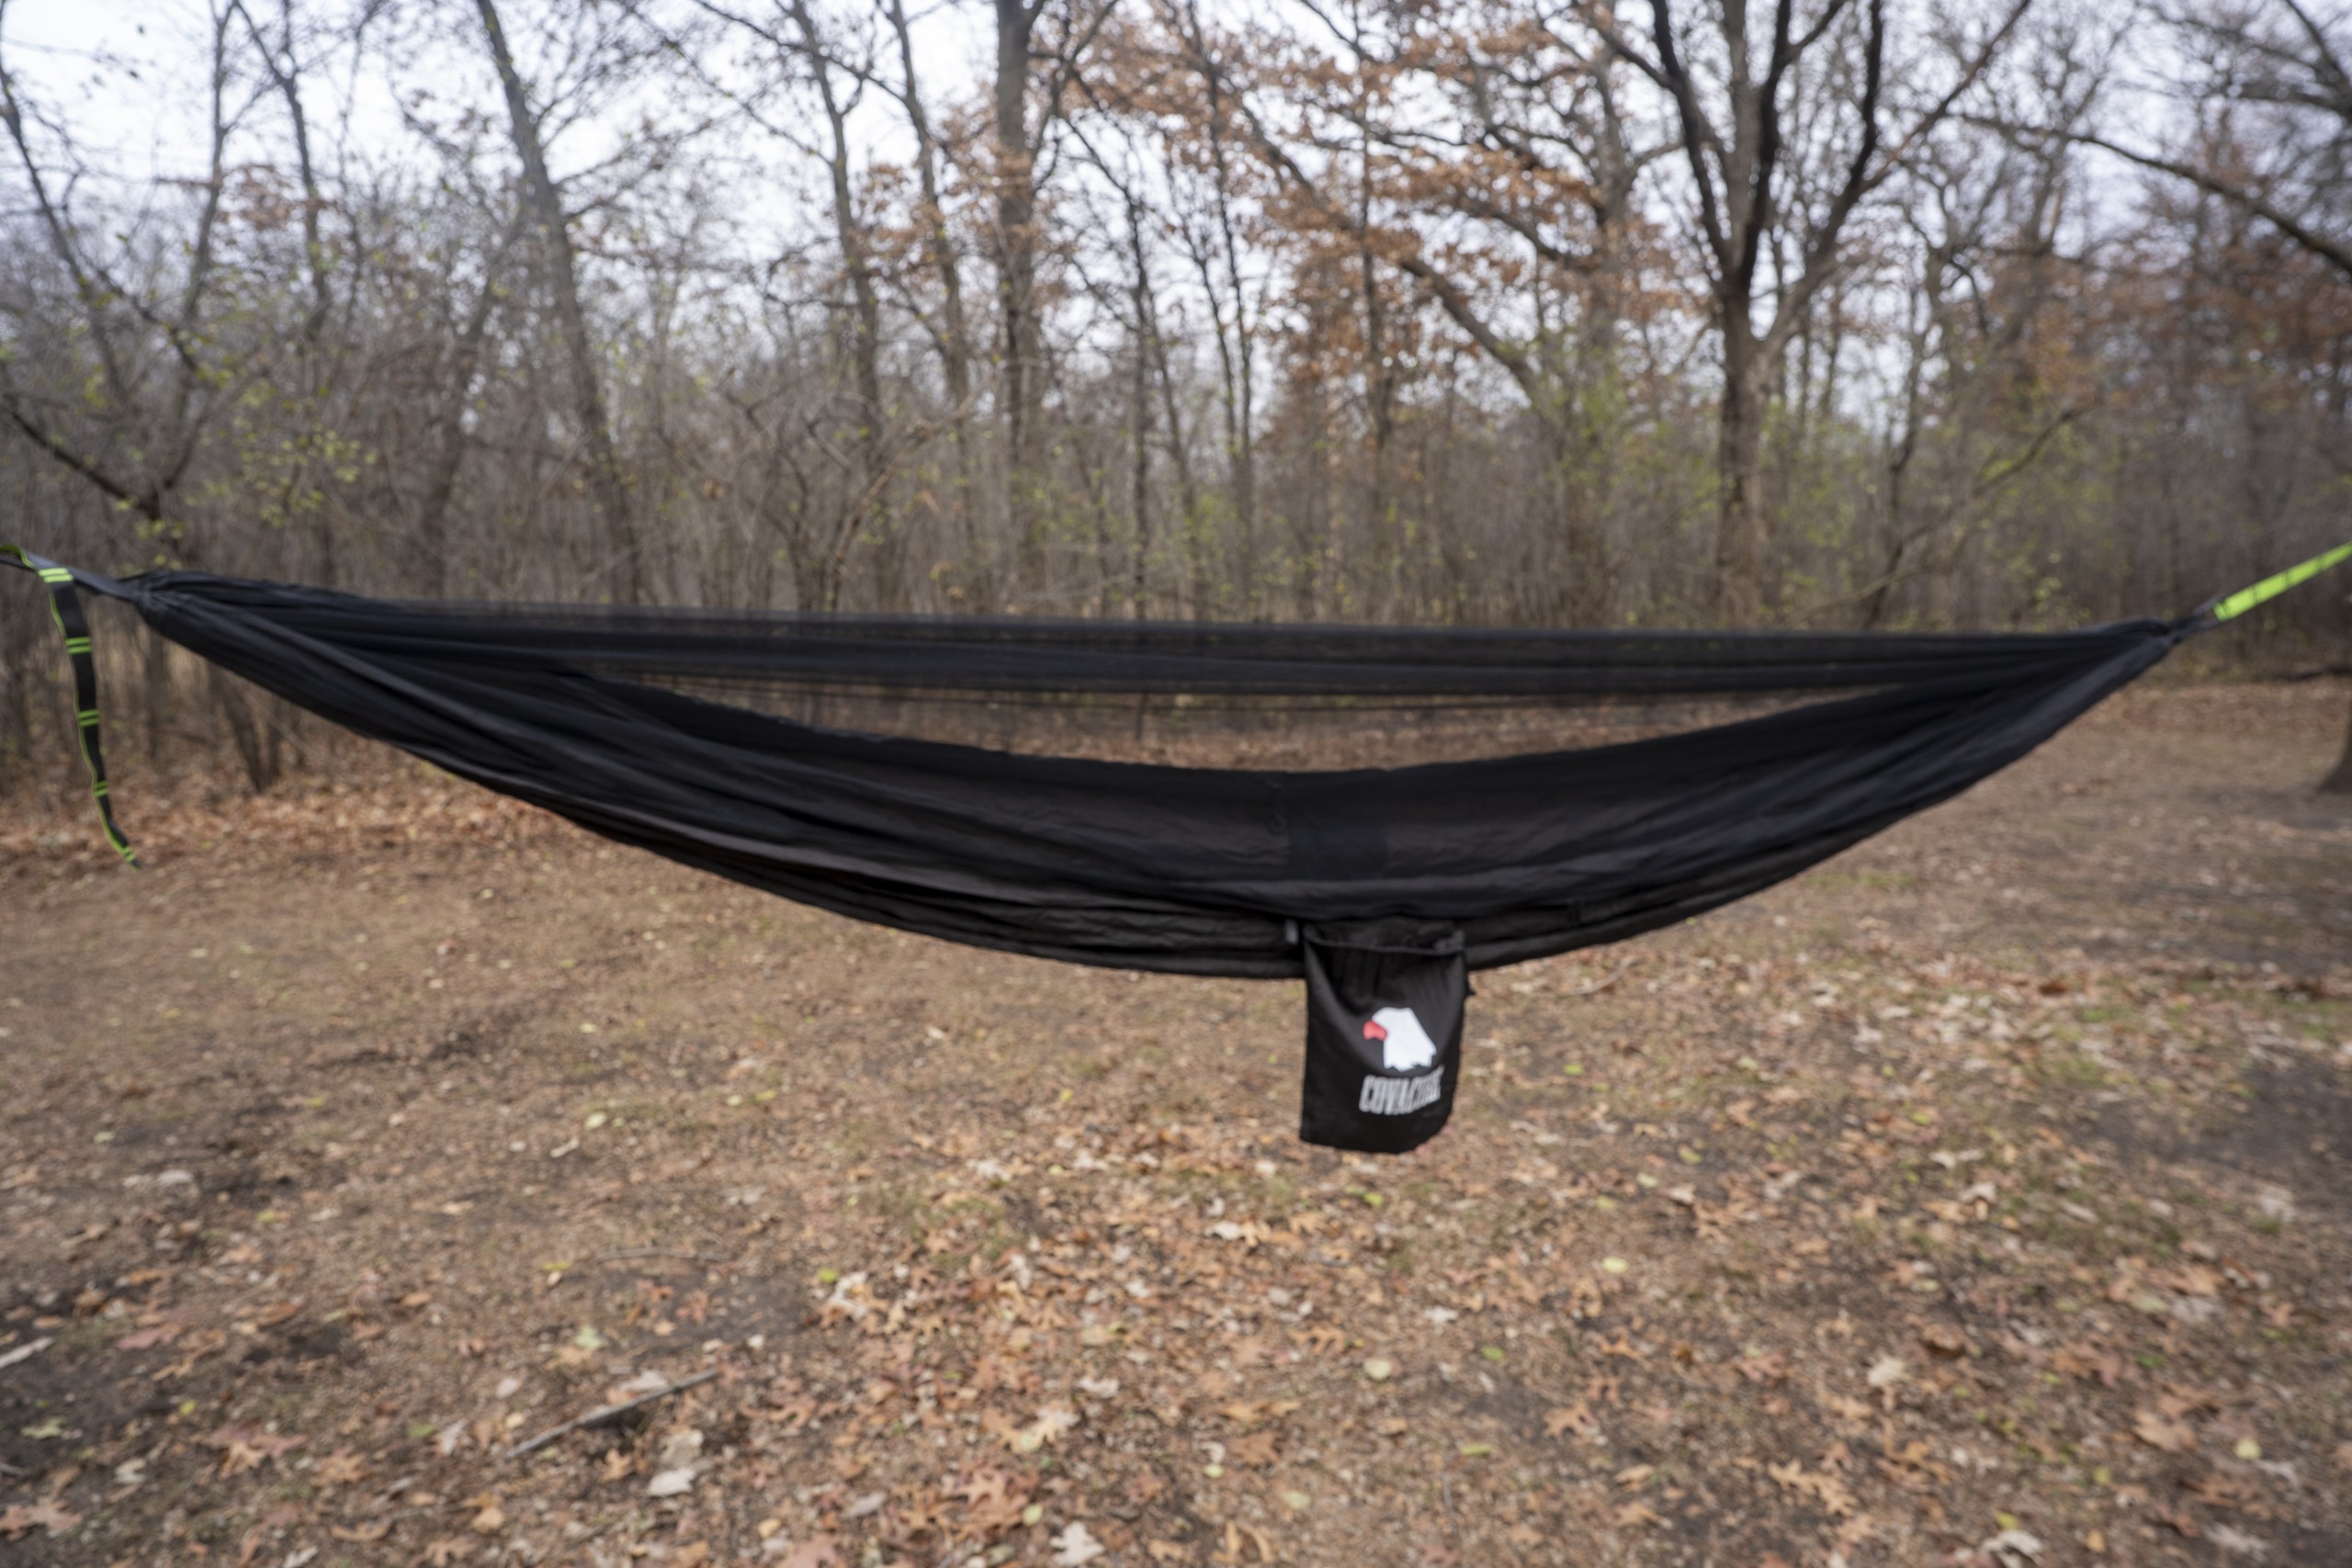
(65,609)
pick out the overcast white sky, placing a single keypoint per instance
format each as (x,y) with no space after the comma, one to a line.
(128,76)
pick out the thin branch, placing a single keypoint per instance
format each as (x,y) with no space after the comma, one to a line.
(1698,135)
(1449,295)
(148,506)
(2335,253)
(604,1414)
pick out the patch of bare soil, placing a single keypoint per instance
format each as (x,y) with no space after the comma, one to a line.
(1973,1199)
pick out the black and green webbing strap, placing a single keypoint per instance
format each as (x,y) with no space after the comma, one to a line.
(2231,606)
(65,609)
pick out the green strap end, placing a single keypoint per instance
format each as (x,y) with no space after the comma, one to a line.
(2270,587)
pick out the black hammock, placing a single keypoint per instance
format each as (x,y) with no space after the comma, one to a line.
(919,773)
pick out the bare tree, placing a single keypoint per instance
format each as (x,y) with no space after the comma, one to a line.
(950,335)
(1213,242)
(450,444)
(1020,140)
(607,488)
(157,443)
(1516,163)
(1733,101)
(2290,67)
(147,444)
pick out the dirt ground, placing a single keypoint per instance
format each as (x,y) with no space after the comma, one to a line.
(1977,1198)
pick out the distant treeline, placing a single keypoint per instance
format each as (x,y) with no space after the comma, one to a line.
(1839,313)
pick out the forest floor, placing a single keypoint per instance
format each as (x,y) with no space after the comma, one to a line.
(1977,1198)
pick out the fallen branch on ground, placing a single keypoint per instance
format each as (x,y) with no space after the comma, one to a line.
(1599,986)
(605,1413)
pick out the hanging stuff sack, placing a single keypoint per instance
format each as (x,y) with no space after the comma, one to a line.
(1384,1033)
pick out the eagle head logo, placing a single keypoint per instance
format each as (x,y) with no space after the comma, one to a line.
(1405,1046)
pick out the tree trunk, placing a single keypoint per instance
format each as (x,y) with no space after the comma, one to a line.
(1583,423)
(1575,442)
(256,739)
(1239,366)
(1016,222)
(1739,459)
(449,438)
(2340,780)
(952,337)
(1188,498)
(865,309)
(607,491)
(156,668)
(1380,373)
(1139,419)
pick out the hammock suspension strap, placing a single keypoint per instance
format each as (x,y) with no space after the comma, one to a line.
(65,609)
(2230,606)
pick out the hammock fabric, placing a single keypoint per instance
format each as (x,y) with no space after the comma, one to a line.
(891,769)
